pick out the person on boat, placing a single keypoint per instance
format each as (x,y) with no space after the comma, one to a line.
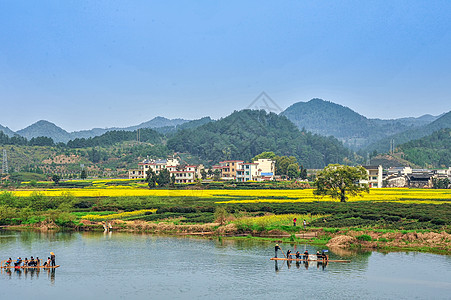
(47,263)
(8,262)
(289,254)
(31,262)
(25,262)
(324,255)
(306,254)
(52,258)
(37,262)
(18,262)
(298,255)
(319,256)
(276,248)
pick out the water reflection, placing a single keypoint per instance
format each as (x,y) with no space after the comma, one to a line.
(29,274)
(306,264)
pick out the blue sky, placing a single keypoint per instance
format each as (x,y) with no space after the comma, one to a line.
(85,64)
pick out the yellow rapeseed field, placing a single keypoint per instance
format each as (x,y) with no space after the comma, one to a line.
(251,196)
(277,220)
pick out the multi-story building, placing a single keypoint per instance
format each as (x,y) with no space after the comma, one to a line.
(267,168)
(374,176)
(260,170)
(187,174)
(228,169)
(248,172)
(155,165)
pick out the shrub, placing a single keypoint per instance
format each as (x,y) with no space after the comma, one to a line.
(364,237)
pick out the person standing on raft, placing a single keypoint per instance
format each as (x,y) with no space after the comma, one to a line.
(276,248)
(289,254)
(52,258)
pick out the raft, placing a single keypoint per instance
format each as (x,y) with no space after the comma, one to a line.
(22,267)
(307,260)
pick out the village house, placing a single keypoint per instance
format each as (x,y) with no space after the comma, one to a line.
(374,176)
(260,170)
(182,174)
(229,168)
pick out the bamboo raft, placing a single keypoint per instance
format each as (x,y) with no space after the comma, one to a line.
(34,267)
(307,260)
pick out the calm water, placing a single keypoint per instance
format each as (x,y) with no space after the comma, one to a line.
(128,266)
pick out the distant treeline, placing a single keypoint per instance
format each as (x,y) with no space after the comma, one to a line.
(107,139)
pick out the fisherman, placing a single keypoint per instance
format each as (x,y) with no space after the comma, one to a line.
(298,255)
(289,254)
(52,257)
(276,248)
(306,255)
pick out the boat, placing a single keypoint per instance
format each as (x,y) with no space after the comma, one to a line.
(308,260)
(34,267)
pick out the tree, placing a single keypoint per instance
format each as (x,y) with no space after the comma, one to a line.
(56,179)
(151,178)
(83,174)
(292,171)
(216,175)
(303,172)
(164,178)
(172,184)
(203,174)
(339,181)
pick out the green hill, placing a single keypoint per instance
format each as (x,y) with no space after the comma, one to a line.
(432,151)
(244,134)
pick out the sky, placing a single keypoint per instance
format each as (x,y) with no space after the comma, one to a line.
(86,64)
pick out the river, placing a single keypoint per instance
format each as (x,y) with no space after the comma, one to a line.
(135,266)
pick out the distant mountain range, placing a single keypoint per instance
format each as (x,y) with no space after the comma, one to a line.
(354,130)
(317,116)
(49,129)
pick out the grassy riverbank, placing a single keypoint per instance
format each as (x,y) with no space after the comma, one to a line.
(384,219)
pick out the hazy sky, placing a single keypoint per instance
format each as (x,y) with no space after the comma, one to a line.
(84,64)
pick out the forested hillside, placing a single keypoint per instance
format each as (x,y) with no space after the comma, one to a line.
(432,151)
(247,133)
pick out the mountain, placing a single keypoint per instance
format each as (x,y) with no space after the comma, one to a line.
(190,124)
(156,123)
(444,121)
(354,130)
(47,129)
(247,133)
(6,130)
(431,151)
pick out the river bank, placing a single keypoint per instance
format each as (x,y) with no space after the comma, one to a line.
(337,239)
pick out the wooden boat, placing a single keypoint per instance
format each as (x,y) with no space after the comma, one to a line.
(22,267)
(307,260)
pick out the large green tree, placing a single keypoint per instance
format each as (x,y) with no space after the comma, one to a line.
(339,181)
